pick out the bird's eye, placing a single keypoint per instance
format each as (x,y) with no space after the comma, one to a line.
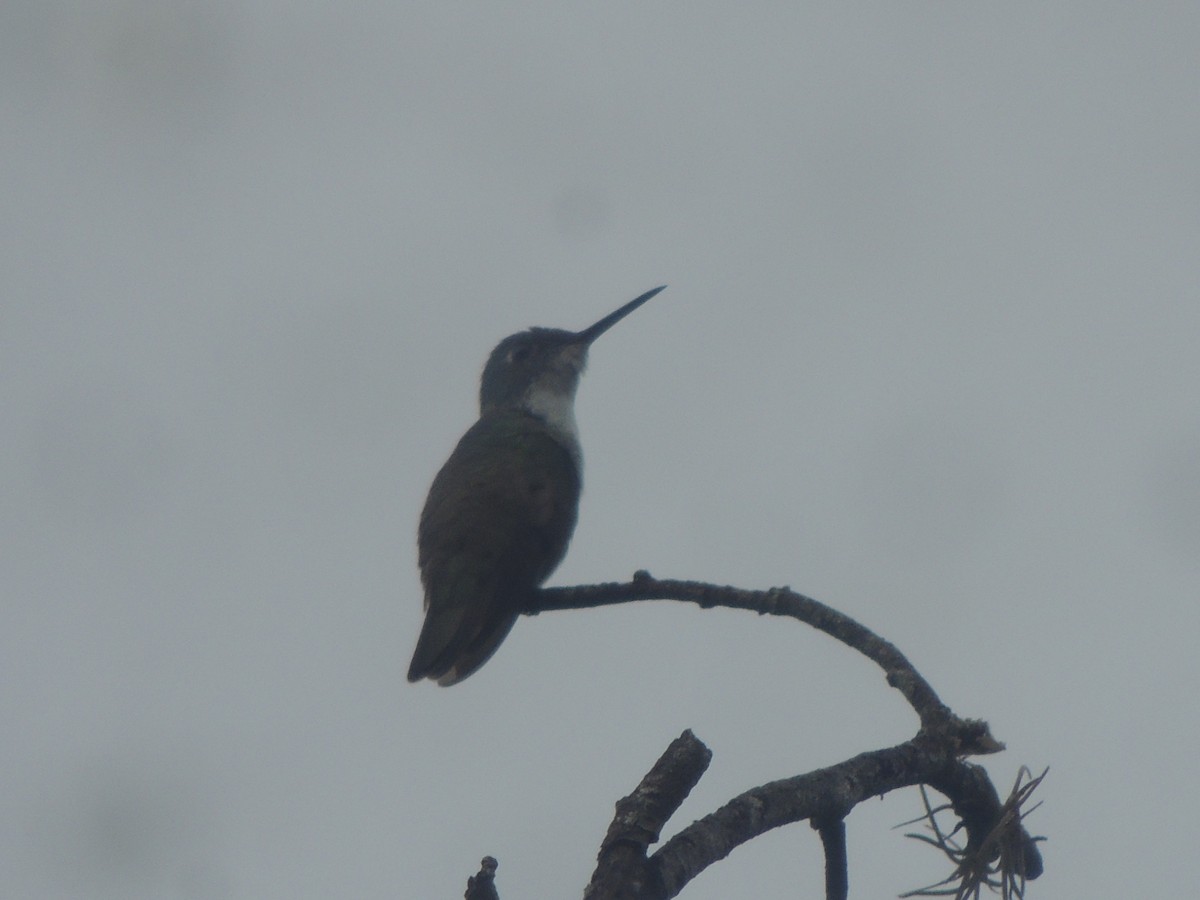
(518,354)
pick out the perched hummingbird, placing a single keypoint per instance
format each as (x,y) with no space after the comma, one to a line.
(502,509)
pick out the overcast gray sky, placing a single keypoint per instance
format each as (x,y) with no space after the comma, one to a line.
(928,354)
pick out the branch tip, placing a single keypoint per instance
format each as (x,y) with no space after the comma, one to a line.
(481,886)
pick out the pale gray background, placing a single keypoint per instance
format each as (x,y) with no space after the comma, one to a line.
(928,354)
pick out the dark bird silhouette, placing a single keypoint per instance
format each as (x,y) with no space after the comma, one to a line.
(501,511)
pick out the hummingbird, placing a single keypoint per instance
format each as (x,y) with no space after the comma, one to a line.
(502,509)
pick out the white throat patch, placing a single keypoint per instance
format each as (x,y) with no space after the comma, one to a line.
(557,410)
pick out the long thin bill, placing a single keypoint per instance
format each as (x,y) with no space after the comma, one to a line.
(590,334)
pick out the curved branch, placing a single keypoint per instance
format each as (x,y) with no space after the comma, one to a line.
(934,715)
(824,796)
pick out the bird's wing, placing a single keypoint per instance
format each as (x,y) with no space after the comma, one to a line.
(496,524)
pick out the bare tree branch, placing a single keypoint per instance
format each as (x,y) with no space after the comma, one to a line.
(622,870)
(481,886)
(837,867)
(834,791)
(997,842)
(934,714)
